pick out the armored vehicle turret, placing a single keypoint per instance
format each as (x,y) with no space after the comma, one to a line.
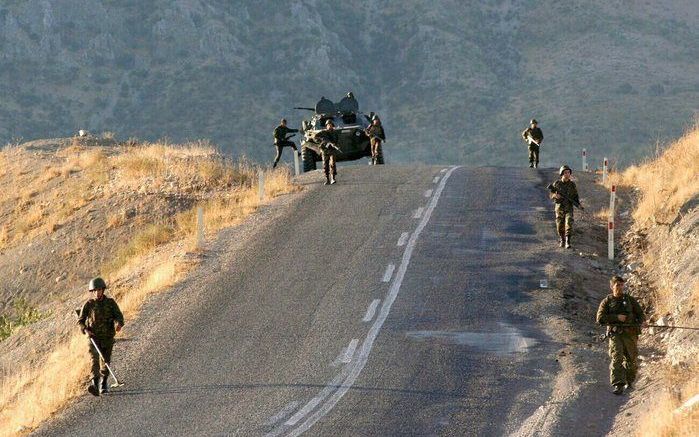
(348,120)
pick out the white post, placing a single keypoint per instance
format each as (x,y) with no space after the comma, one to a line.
(200,227)
(261,186)
(610,222)
(604,171)
(296,162)
(584,159)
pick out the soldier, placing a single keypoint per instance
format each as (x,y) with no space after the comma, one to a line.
(281,140)
(100,318)
(376,136)
(328,149)
(624,319)
(534,137)
(565,196)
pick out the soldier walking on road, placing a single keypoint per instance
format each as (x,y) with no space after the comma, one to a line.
(100,318)
(328,149)
(534,137)
(376,136)
(565,195)
(281,140)
(624,319)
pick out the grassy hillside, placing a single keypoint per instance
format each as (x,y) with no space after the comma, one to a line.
(454,81)
(76,208)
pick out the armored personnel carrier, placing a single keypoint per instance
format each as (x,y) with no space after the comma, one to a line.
(353,144)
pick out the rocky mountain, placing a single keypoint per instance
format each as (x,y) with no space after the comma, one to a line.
(454,81)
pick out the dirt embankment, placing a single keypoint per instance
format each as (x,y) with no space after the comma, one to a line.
(75,208)
(661,259)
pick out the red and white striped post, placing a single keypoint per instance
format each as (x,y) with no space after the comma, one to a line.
(584,159)
(604,170)
(610,224)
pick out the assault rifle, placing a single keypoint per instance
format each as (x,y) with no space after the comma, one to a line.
(575,203)
(611,333)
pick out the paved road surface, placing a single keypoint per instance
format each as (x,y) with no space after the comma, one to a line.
(388,304)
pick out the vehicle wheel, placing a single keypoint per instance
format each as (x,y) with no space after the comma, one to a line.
(308,157)
(379,152)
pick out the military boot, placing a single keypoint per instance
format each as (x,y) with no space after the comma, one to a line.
(568,245)
(93,388)
(104,387)
(561,240)
(618,389)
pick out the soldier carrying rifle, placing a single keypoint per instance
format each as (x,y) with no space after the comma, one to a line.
(534,137)
(565,194)
(624,319)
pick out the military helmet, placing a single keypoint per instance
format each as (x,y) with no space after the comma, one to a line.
(283,121)
(329,122)
(374,117)
(97,284)
(564,168)
(533,121)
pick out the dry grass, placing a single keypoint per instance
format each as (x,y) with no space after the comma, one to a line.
(666,420)
(226,191)
(665,183)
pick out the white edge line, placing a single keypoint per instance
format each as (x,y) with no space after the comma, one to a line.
(363,356)
(371,310)
(403,238)
(388,273)
(349,351)
(418,212)
(317,399)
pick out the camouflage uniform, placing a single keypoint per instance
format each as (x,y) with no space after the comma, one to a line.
(564,207)
(280,141)
(328,142)
(99,316)
(376,136)
(537,135)
(623,348)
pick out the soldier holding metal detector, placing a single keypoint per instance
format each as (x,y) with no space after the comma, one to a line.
(565,194)
(624,319)
(100,319)
(534,137)
(281,140)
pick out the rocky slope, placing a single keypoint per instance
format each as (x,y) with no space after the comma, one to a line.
(454,81)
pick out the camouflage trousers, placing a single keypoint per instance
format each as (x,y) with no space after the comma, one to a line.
(280,146)
(329,166)
(534,153)
(623,350)
(98,366)
(564,220)
(375,143)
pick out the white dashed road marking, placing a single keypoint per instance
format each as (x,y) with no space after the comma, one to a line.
(419,212)
(403,238)
(388,273)
(354,369)
(436,179)
(371,310)
(349,351)
(428,193)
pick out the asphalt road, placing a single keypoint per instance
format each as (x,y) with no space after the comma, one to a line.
(387,304)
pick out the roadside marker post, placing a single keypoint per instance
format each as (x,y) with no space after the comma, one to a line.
(610,224)
(604,170)
(584,159)
(296,163)
(261,186)
(200,227)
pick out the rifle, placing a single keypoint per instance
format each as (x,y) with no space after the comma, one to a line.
(305,108)
(611,333)
(554,190)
